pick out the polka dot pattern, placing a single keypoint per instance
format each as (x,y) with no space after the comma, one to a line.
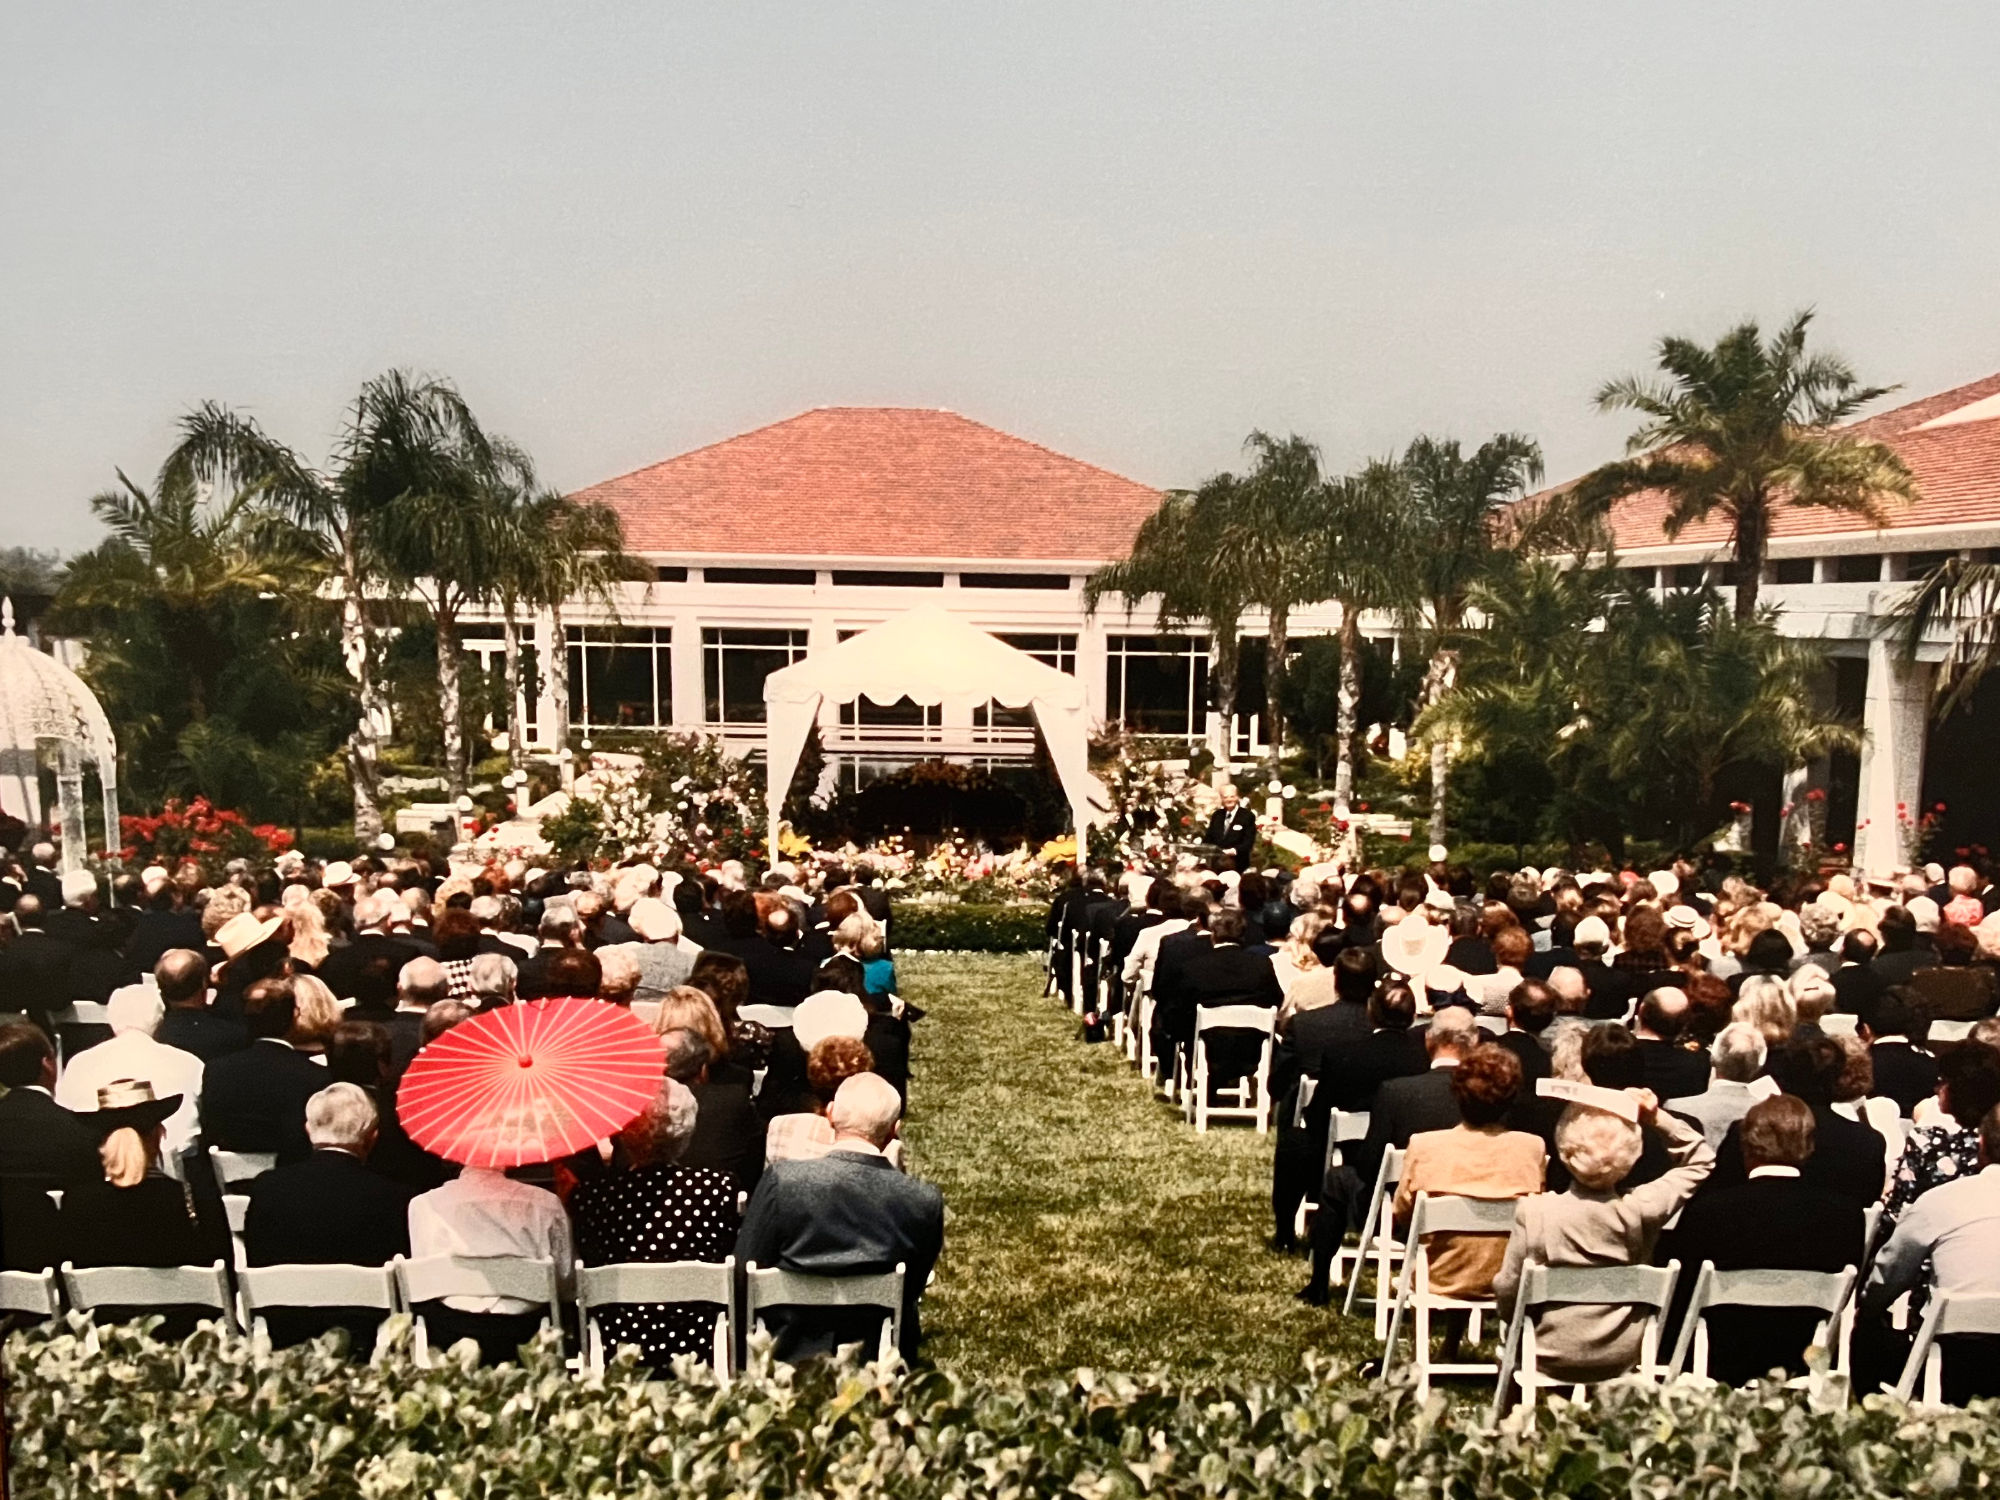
(657,1214)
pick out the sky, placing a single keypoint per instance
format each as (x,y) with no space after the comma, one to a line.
(1130,232)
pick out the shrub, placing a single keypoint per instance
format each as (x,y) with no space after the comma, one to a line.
(211,836)
(109,1413)
(964,926)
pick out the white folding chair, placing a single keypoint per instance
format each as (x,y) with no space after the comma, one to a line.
(1838,1023)
(232,1167)
(1442,1213)
(775,1288)
(76,1013)
(777,1017)
(434,1277)
(236,1208)
(657,1282)
(1949,1313)
(1343,1126)
(1139,1033)
(150,1287)
(1950,1031)
(1378,1238)
(1650,1287)
(31,1292)
(1823,1292)
(1252,1092)
(263,1288)
(1492,1025)
(1076,973)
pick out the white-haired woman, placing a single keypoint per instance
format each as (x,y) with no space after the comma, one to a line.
(1593,1224)
(1295,957)
(657,1210)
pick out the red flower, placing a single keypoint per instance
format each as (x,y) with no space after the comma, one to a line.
(1840,848)
(1937,807)
(1815,794)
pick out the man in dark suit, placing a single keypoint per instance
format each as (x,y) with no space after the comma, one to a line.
(1904,949)
(1856,985)
(1531,1006)
(255,1099)
(161,927)
(1848,1156)
(1125,932)
(1774,1221)
(846,1213)
(42,1146)
(34,968)
(372,939)
(329,1209)
(1170,975)
(1904,1071)
(1226,974)
(44,884)
(699,923)
(1669,1069)
(728,1131)
(96,967)
(778,976)
(1233,827)
(190,1023)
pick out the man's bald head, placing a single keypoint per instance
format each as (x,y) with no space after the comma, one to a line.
(867,1106)
(182,975)
(422,982)
(1572,993)
(28,912)
(1664,1012)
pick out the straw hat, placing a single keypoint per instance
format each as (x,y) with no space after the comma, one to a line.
(245,931)
(337,874)
(128,1103)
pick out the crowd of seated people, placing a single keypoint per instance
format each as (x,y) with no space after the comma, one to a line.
(1777,1044)
(273,1014)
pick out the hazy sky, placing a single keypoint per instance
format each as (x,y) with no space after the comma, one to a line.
(1130,232)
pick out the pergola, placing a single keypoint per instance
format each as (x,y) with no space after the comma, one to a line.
(931,658)
(44,706)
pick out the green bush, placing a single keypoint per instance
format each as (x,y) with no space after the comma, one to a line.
(964,926)
(109,1414)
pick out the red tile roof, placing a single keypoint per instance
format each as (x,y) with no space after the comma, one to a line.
(1956,461)
(870,481)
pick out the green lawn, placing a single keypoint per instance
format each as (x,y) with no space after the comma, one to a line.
(1086,1224)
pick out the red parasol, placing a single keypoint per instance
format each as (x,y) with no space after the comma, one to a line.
(530,1082)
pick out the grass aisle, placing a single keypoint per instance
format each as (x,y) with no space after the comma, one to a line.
(1087,1224)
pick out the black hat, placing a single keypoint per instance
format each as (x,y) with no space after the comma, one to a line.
(128,1103)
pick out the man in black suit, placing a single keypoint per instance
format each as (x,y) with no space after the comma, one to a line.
(1170,969)
(1774,1221)
(161,927)
(1531,1006)
(699,923)
(328,1209)
(1350,1076)
(34,968)
(42,1146)
(728,1131)
(43,882)
(190,1023)
(1233,827)
(1669,1069)
(1125,932)
(255,1099)
(96,967)
(1226,973)
(846,1213)
(1100,920)
(778,976)
(1904,949)
(1856,985)
(1847,1156)
(1904,1071)
(372,939)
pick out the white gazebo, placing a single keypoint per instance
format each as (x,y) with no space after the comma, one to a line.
(931,658)
(46,706)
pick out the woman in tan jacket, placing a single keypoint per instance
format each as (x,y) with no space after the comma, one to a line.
(1594,1224)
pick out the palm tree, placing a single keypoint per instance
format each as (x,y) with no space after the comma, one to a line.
(1450,503)
(1741,429)
(1273,538)
(1360,564)
(1179,558)
(1963,598)
(400,433)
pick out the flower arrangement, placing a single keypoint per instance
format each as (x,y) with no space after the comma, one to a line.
(1152,808)
(211,836)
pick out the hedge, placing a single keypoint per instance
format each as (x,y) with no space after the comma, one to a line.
(108,1414)
(965,927)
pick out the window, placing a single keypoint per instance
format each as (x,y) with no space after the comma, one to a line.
(1792,570)
(620,679)
(1013,580)
(804,576)
(885,578)
(1058,651)
(1641,578)
(1158,684)
(734,664)
(1858,567)
(1690,575)
(919,721)
(1923,564)
(670,575)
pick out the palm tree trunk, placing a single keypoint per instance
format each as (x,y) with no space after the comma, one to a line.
(450,709)
(1222,681)
(1437,682)
(1751,544)
(363,753)
(510,638)
(1349,707)
(1274,683)
(558,670)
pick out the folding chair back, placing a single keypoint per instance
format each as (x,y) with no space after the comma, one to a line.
(150,1286)
(1254,1090)
(77,1013)
(1950,1031)
(1648,1287)
(1838,1023)
(634,1282)
(435,1277)
(1949,1313)
(232,1167)
(777,1017)
(303,1286)
(1823,1292)
(775,1288)
(1441,1214)
(1378,1238)
(236,1209)
(1492,1025)
(30,1292)
(1302,1100)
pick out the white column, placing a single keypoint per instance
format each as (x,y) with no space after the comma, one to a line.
(1894,720)
(686,654)
(542,632)
(1090,665)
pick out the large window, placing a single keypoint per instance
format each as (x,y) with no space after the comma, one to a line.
(1158,684)
(734,664)
(1058,651)
(620,678)
(485,647)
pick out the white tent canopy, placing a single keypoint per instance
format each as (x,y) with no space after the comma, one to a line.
(929,657)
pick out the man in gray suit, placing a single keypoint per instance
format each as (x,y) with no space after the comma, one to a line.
(848,1213)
